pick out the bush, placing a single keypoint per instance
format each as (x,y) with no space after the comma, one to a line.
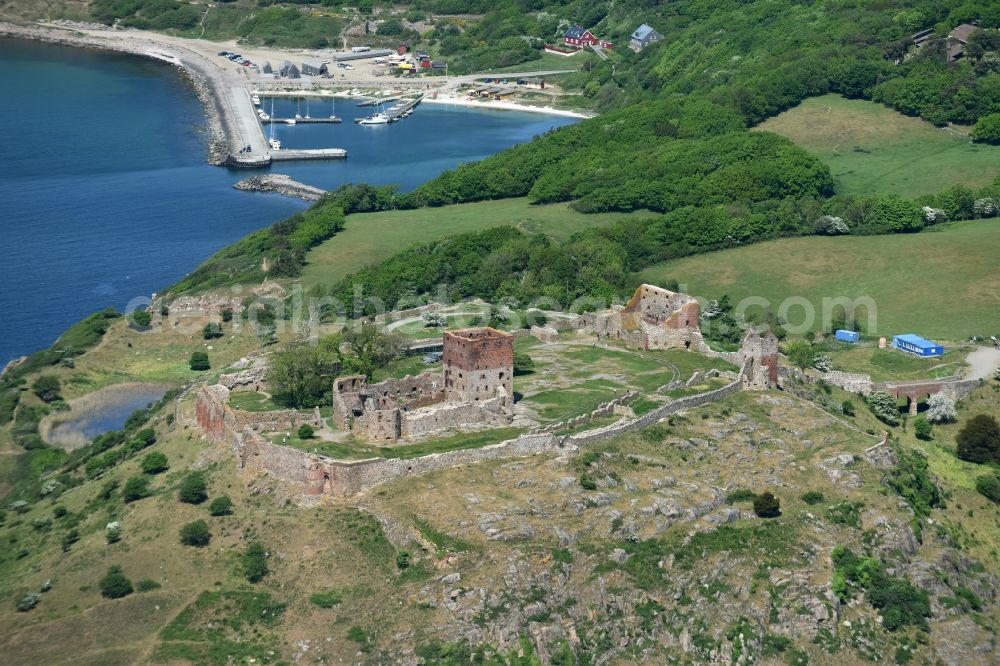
(884,407)
(941,409)
(403,560)
(115,585)
(113,532)
(847,407)
(147,584)
(69,539)
(254,562)
(135,488)
(211,331)
(199,361)
(141,318)
(987,129)
(766,505)
(59,511)
(523,364)
(47,388)
(195,534)
(988,486)
(587,483)
(812,497)
(154,463)
(227,314)
(27,602)
(911,480)
(306,431)
(922,429)
(326,599)
(845,513)
(979,440)
(741,495)
(193,489)
(221,506)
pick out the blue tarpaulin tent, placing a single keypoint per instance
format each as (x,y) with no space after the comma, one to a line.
(847,336)
(915,344)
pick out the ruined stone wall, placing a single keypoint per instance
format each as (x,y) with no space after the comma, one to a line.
(478,365)
(357,404)
(850,381)
(451,415)
(653,318)
(761,353)
(210,411)
(250,379)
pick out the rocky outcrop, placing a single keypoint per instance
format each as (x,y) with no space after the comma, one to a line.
(280,184)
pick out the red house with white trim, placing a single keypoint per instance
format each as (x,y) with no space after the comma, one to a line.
(579,38)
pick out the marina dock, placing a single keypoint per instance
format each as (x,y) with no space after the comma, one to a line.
(299,121)
(287,155)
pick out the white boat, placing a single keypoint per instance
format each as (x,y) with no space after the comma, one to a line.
(307,109)
(265,116)
(256,100)
(290,121)
(377,119)
(275,144)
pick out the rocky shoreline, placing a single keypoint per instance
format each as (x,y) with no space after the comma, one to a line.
(280,184)
(67,34)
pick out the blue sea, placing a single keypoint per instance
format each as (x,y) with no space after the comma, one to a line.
(105,194)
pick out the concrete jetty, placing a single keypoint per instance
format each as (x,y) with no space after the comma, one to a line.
(288,155)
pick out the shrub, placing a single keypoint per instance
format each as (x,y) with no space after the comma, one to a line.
(988,486)
(523,364)
(979,440)
(847,407)
(766,505)
(164,310)
(911,480)
(434,319)
(227,314)
(403,560)
(27,602)
(147,584)
(59,511)
(941,409)
(822,363)
(254,562)
(211,331)
(69,539)
(306,431)
(195,534)
(192,489)
(587,483)
(154,463)
(987,129)
(812,497)
(115,585)
(326,599)
(135,488)
(113,532)
(47,388)
(221,506)
(884,407)
(922,428)
(141,318)
(199,361)
(845,513)
(741,495)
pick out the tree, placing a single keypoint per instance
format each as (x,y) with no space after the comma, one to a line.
(988,486)
(192,489)
(221,506)
(300,376)
(195,534)
(135,488)
(800,353)
(115,585)
(154,463)
(895,214)
(227,314)
(306,431)
(523,364)
(369,350)
(847,407)
(47,388)
(884,407)
(922,428)
(211,331)
(434,319)
(254,562)
(766,505)
(141,318)
(199,361)
(979,440)
(941,409)
(987,129)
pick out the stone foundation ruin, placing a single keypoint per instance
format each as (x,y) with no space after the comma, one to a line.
(653,318)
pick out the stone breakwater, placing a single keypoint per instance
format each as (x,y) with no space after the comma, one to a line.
(197,71)
(280,184)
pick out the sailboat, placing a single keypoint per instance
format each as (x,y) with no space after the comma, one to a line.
(298,108)
(333,108)
(274,143)
(307,108)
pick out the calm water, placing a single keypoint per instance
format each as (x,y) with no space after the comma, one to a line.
(104,193)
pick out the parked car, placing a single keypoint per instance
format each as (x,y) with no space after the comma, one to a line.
(224,54)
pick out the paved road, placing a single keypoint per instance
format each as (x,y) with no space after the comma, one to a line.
(983,362)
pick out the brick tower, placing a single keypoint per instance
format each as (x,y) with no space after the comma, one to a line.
(478,365)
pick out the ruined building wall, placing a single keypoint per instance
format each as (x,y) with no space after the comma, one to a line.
(653,318)
(759,357)
(478,365)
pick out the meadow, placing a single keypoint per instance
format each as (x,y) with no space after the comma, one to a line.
(942,283)
(372,237)
(872,149)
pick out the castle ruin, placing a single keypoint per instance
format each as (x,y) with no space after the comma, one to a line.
(474,388)
(653,318)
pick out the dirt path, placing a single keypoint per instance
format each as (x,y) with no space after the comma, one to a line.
(983,362)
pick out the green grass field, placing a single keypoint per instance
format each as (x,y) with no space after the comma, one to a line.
(939,284)
(871,149)
(546,62)
(372,237)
